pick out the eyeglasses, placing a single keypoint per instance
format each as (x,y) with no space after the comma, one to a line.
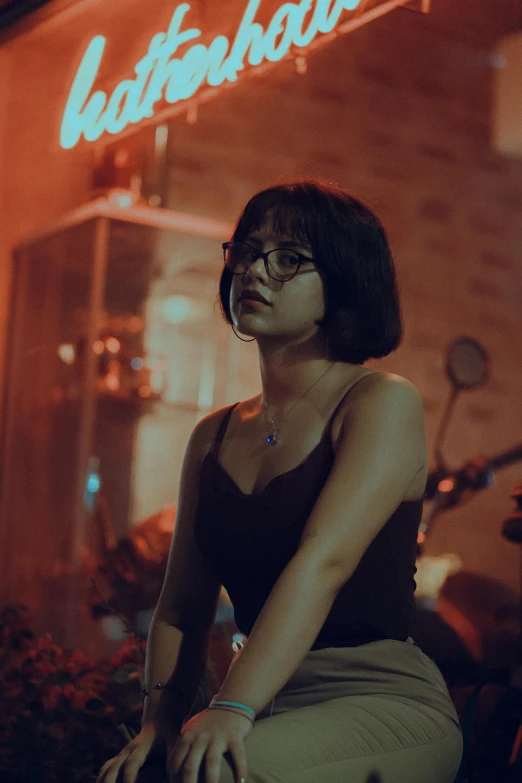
(280,263)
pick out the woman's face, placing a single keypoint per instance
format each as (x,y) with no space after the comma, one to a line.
(293,306)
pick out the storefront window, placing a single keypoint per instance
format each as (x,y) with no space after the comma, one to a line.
(117,348)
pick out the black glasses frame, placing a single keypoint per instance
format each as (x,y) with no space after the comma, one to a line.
(258,254)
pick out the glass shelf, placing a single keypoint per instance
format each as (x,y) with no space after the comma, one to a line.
(116,349)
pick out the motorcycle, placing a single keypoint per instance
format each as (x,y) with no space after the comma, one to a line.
(470,624)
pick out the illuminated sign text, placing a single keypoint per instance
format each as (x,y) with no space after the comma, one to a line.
(161,77)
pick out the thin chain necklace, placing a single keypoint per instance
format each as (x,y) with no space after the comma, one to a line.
(272,439)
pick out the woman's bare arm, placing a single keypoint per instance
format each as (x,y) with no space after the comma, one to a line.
(178,637)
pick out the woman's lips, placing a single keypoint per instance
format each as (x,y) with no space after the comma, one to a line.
(253,302)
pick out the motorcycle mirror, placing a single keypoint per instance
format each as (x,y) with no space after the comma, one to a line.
(467,363)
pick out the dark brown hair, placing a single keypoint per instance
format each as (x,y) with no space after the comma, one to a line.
(362,309)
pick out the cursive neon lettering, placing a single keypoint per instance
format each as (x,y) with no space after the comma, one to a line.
(165,46)
(189,74)
(144,70)
(163,77)
(77,106)
(303,39)
(217,52)
(118,106)
(249,39)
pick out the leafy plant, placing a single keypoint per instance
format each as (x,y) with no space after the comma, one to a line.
(62,714)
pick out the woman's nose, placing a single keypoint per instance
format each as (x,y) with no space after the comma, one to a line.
(258,266)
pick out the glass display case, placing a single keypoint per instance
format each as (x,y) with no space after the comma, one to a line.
(117,347)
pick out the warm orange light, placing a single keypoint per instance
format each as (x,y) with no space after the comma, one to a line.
(98,347)
(301,65)
(160,77)
(67,353)
(112,382)
(446,485)
(113,345)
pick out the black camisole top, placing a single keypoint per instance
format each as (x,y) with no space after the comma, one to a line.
(247,540)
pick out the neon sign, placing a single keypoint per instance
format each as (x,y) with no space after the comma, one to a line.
(163,81)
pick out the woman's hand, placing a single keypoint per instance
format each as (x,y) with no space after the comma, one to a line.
(131,758)
(208,735)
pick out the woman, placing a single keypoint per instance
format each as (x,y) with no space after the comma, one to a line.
(304,501)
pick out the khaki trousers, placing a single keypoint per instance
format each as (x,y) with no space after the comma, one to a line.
(377,713)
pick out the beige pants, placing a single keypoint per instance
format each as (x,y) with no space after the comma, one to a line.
(377,713)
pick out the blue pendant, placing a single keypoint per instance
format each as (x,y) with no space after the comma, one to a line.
(272,438)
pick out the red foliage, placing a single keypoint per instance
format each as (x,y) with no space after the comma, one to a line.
(59,709)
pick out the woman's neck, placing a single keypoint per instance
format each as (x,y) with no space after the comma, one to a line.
(286,379)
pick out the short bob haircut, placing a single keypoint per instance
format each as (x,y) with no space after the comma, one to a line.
(362,317)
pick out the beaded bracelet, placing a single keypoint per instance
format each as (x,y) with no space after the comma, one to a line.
(162,686)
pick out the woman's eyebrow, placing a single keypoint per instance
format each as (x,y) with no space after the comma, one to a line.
(281,243)
(293,243)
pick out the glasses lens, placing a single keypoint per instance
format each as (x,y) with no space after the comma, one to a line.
(238,257)
(283,264)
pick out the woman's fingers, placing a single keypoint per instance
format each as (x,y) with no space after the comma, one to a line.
(206,739)
(186,769)
(186,761)
(193,761)
(213,761)
(109,772)
(133,765)
(130,760)
(178,754)
(103,769)
(238,753)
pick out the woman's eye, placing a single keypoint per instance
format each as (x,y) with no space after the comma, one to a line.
(288,259)
(243,253)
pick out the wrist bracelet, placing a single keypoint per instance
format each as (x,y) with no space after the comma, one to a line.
(231,709)
(218,703)
(165,686)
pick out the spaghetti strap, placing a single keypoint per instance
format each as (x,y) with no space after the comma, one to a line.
(221,431)
(226,418)
(345,395)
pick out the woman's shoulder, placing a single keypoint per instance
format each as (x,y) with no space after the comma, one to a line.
(380,380)
(207,427)
(386,397)
(375,387)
